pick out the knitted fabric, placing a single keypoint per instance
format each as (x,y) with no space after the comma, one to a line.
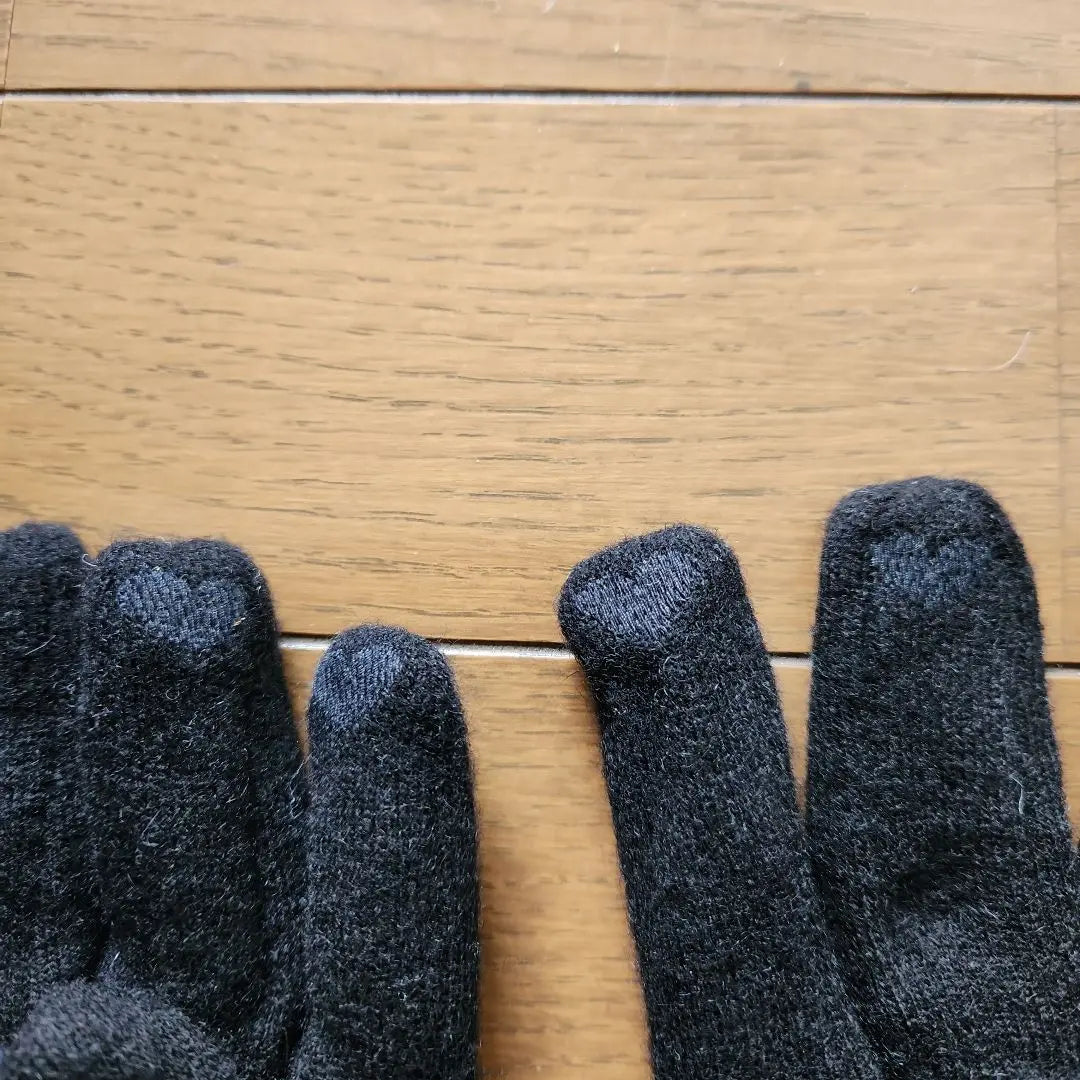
(190,812)
(924,925)
(48,921)
(940,839)
(393,949)
(739,980)
(156,908)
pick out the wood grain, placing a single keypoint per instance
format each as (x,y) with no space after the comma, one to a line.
(5,34)
(560,999)
(967,46)
(420,359)
(1068,142)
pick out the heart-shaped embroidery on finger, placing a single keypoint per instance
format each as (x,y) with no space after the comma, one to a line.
(352,682)
(933,576)
(642,606)
(169,609)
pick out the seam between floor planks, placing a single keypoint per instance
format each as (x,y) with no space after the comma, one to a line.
(543,650)
(627,98)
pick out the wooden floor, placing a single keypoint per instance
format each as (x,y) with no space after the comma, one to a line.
(422,302)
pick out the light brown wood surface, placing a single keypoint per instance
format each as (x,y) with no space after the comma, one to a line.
(967,46)
(1068,136)
(421,358)
(5,33)
(560,997)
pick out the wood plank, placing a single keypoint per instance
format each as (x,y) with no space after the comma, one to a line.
(5,35)
(968,46)
(1068,147)
(560,998)
(1065,698)
(420,359)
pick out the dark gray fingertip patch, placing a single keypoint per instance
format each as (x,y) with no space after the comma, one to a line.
(638,594)
(936,575)
(169,609)
(359,670)
(641,606)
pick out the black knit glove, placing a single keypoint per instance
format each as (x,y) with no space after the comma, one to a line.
(170,906)
(924,924)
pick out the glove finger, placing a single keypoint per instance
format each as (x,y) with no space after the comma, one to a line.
(94,1032)
(937,821)
(190,737)
(738,974)
(392,935)
(49,929)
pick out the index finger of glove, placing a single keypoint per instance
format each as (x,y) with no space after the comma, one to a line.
(190,738)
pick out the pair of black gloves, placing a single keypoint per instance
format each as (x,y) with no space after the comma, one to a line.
(181,898)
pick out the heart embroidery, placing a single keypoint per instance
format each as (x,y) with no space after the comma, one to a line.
(642,607)
(934,577)
(352,683)
(170,609)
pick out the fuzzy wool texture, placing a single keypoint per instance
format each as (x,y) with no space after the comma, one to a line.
(83,1030)
(48,921)
(188,816)
(198,848)
(156,902)
(940,839)
(393,911)
(738,975)
(925,924)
